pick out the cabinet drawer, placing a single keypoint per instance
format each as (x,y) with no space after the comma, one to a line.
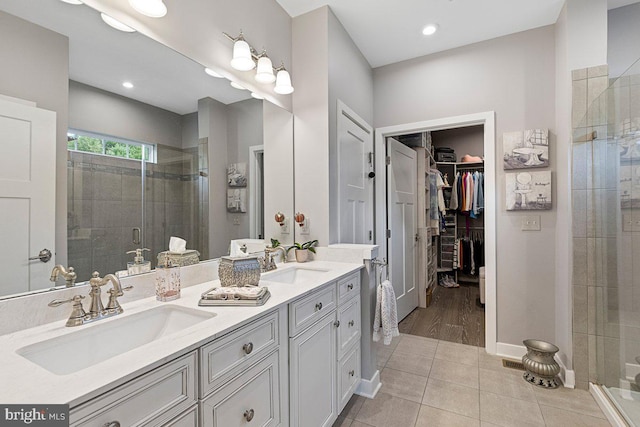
(224,357)
(253,398)
(150,400)
(348,287)
(305,311)
(349,329)
(186,419)
(348,375)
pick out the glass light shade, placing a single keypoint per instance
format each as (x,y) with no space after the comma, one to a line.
(264,73)
(114,23)
(256,96)
(237,86)
(242,60)
(212,73)
(150,8)
(72,1)
(283,83)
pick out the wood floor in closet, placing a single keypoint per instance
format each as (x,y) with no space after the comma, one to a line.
(452,316)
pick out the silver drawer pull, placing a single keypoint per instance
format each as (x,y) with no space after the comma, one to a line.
(350,286)
(319,306)
(352,373)
(248,348)
(248,415)
(336,323)
(351,323)
(112,424)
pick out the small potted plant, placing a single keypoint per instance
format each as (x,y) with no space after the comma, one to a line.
(303,249)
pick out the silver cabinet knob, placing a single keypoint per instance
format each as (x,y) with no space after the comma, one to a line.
(352,373)
(248,348)
(336,323)
(44,256)
(112,424)
(351,323)
(319,306)
(350,286)
(248,414)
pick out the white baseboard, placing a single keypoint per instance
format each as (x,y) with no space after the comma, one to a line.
(606,406)
(517,351)
(369,388)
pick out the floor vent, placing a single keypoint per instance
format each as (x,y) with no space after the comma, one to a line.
(513,364)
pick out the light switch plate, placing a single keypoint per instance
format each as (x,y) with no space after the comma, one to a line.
(531,223)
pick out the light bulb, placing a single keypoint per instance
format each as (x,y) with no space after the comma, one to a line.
(242,59)
(213,73)
(264,73)
(256,96)
(150,8)
(237,86)
(283,83)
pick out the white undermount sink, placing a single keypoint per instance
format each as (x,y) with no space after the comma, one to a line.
(73,352)
(294,275)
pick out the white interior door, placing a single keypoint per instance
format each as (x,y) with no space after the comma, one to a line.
(355,161)
(401,223)
(27,195)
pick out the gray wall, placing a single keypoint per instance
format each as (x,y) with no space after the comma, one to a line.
(35,67)
(95,110)
(466,140)
(623,36)
(514,76)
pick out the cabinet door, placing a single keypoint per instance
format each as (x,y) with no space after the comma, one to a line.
(312,358)
(252,398)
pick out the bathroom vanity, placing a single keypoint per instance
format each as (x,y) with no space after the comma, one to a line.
(293,361)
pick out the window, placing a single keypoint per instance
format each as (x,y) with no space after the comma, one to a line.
(86,142)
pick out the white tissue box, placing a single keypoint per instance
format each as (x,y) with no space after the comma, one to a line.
(178,259)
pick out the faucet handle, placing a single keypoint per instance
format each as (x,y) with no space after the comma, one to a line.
(113,303)
(77,313)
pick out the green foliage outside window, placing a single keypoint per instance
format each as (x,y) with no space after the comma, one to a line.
(109,147)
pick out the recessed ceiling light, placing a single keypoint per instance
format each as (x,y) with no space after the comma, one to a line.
(256,96)
(150,8)
(213,73)
(114,23)
(72,1)
(238,86)
(430,29)
(128,85)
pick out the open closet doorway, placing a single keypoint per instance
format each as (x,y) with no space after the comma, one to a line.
(434,255)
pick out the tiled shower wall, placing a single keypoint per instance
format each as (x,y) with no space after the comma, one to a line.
(606,290)
(106,199)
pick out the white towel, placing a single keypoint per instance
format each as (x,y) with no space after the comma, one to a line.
(386,318)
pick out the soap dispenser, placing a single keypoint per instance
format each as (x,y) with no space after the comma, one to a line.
(139,264)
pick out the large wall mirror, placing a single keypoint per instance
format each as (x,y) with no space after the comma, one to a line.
(180,153)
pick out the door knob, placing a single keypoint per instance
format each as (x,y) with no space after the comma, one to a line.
(44,256)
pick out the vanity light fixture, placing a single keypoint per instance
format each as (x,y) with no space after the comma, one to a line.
(212,73)
(242,55)
(237,86)
(283,82)
(245,58)
(430,29)
(128,85)
(264,73)
(150,8)
(114,23)
(72,1)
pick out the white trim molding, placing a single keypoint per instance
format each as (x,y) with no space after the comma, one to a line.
(487,119)
(369,388)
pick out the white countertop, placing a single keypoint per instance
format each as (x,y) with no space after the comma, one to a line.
(26,382)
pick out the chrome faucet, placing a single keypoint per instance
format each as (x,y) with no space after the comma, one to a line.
(97,311)
(69,275)
(279,248)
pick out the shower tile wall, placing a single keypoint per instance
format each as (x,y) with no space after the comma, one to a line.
(606,292)
(105,203)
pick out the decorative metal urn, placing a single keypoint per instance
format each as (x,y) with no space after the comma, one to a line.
(541,368)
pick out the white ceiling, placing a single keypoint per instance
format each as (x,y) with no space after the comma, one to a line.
(388,31)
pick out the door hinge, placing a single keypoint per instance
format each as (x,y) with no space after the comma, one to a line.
(388,160)
(388,234)
(370,235)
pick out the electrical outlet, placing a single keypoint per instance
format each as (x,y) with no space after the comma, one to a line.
(304,228)
(284,228)
(531,223)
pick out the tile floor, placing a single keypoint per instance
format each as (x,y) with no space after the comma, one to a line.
(426,382)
